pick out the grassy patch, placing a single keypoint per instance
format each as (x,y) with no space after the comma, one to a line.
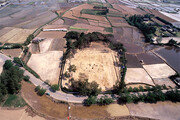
(31,3)
(93,12)
(14,101)
(109,29)
(76,28)
(178,34)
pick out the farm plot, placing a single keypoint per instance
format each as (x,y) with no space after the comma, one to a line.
(128,35)
(58,22)
(68,21)
(57,44)
(89,27)
(51,34)
(95,65)
(12,52)
(5,30)
(118,21)
(47,65)
(159,14)
(44,45)
(149,58)
(16,35)
(137,75)
(125,10)
(94,17)
(34,48)
(159,70)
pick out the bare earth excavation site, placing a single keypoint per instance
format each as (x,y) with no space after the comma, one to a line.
(89,59)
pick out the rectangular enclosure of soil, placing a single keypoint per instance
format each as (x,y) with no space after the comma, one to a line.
(97,65)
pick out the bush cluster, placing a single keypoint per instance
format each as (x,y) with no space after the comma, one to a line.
(101,101)
(10,79)
(11,46)
(28,40)
(150,97)
(84,88)
(40,91)
(55,87)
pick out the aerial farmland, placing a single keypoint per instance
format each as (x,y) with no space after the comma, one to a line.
(89,59)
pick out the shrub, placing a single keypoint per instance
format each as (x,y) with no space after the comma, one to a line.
(8,64)
(28,40)
(85,88)
(104,100)
(72,68)
(37,88)
(26,78)
(66,74)
(18,61)
(135,89)
(41,92)
(141,89)
(55,87)
(90,100)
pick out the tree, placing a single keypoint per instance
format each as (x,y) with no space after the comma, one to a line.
(90,100)
(26,78)
(41,92)
(55,87)
(8,64)
(85,88)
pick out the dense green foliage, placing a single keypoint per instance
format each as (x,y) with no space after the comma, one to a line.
(10,79)
(28,40)
(164,21)
(94,12)
(40,91)
(26,78)
(173,43)
(104,100)
(14,101)
(37,88)
(11,46)
(83,87)
(55,87)
(151,97)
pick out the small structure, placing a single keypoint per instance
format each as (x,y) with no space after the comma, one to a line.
(61,29)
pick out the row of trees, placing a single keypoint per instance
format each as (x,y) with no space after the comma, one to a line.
(150,97)
(10,79)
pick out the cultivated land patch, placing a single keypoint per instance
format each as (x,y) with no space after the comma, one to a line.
(127,35)
(47,65)
(137,75)
(96,65)
(160,110)
(12,52)
(51,34)
(19,114)
(16,35)
(132,61)
(89,27)
(159,70)
(116,110)
(44,45)
(149,58)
